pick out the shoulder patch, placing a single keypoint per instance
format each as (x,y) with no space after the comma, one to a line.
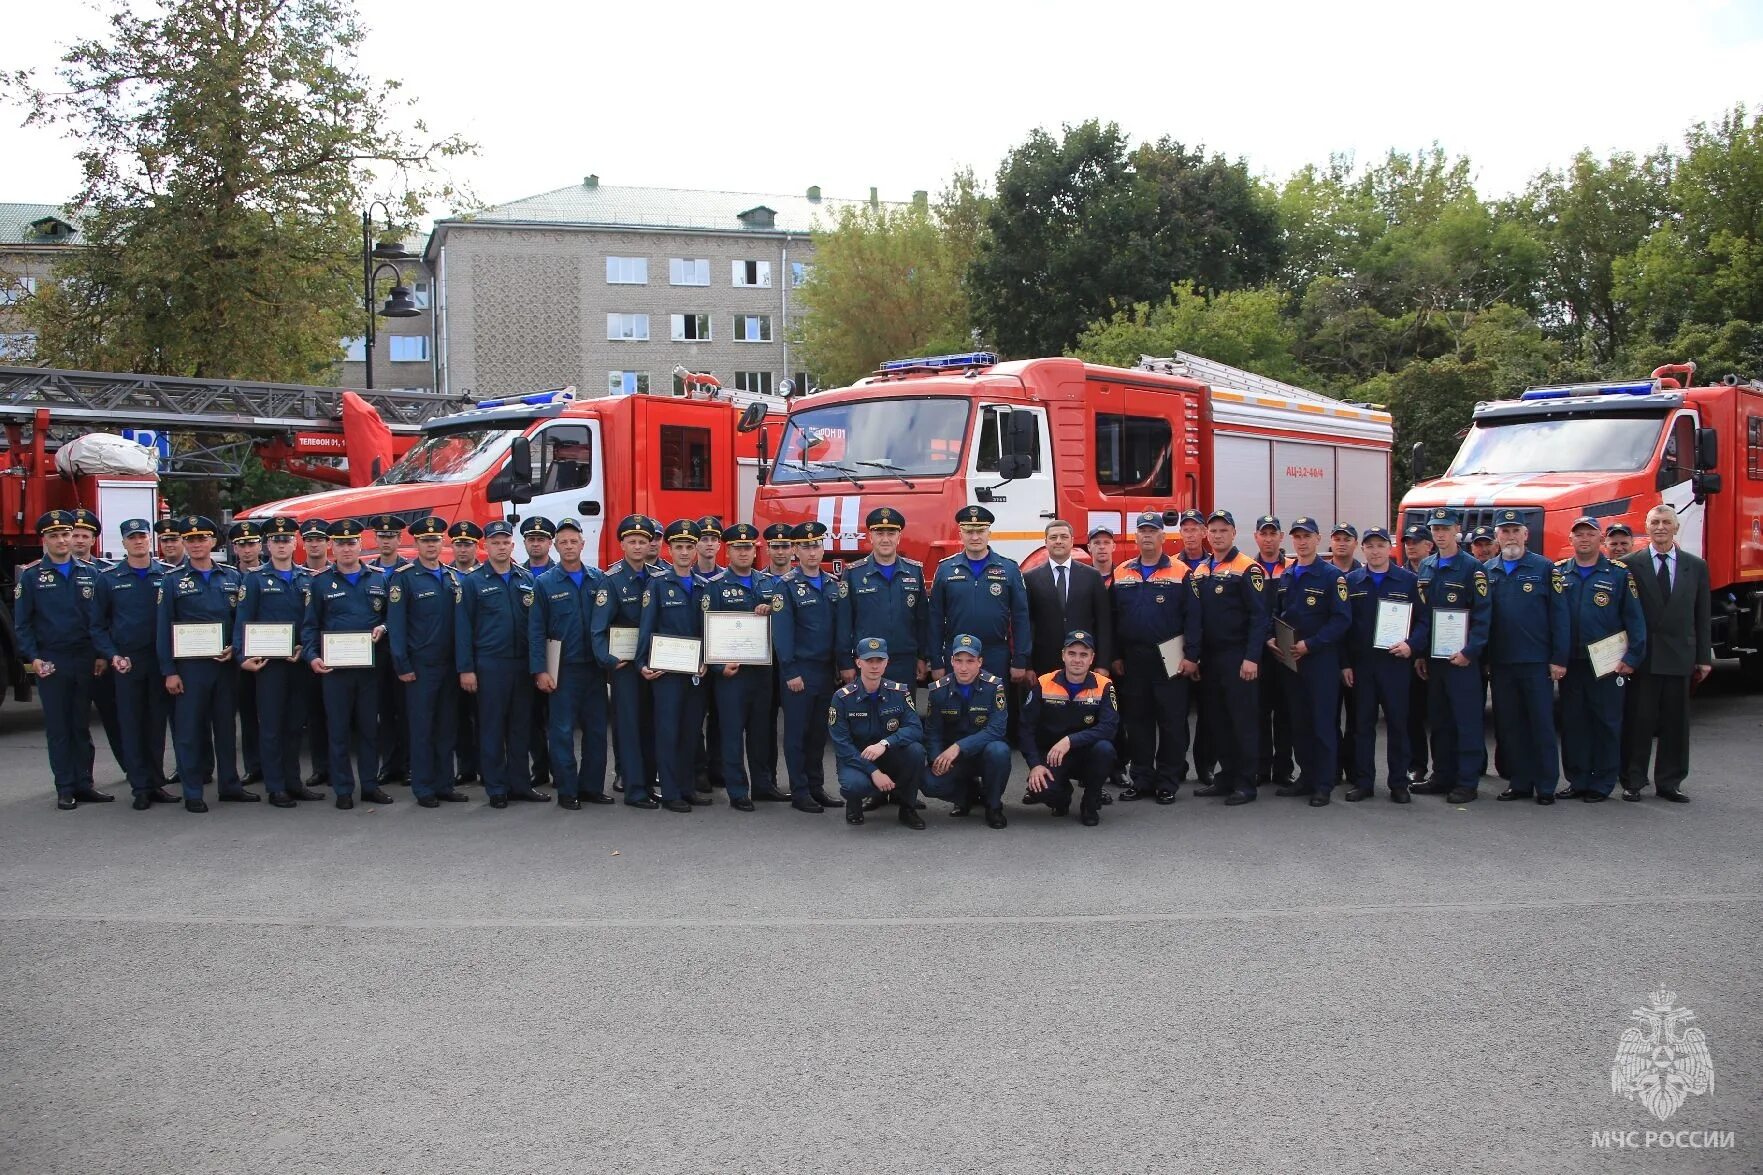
(846,691)
(1257,577)
(1340,587)
(645,597)
(998,700)
(600,598)
(1481,583)
(832,715)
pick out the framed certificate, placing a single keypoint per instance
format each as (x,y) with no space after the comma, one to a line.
(1607,654)
(621,642)
(737,638)
(1285,643)
(1450,632)
(348,650)
(197,640)
(269,640)
(676,654)
(554,659)
(1394,620)
(1174,651)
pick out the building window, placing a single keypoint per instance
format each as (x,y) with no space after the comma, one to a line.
(627,383)
(18,345)
(419,293)
(802,383)
(691,328)
(986,458)
(798,272)
(634,327)
(409,348)
(751,273)
(627,271)
(355,349)
(1754,447)
(685,458)
(752,328)
(1134,455)
(14,290)
(688,271)
(758,382)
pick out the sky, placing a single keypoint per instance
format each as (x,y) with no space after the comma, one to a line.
(773,97)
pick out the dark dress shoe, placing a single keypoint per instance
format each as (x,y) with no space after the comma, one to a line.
(959,811)
(741,805)
(345,802)
(1166,795)
(1089,818)
(677,806)
(1106,798)
(809,805)
(1431,787)
(596,797)
(569,803)
(465,779)
(91,795)
(1546,801)
(1319,800)
(281,799)
(175,778)
(1592,797)
(534,796)
(854,814)
(1675,797)
(1293,789)
(252,777)
(195,806)
(1133,793)
(1399,794)
(910,818)
(302,793)
(769,795)
(1239,797)
(1570,793)
(1509,794)
(428,801)
(142,802)
(1212,791)
(385,778)
(995,818)
(66,803)
(1060,811)
(1461,795)
(452,797)
(1034,797)
(699,799)
(1633,797)
(498,801)
(1355,794)
(1416,776)
(318,781)
(819,796)
(160,796)
(239,796)
(646,802)
(874,803)
(376,796)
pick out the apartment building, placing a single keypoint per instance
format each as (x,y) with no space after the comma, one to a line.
(612,289)
(404,348)
(32,237)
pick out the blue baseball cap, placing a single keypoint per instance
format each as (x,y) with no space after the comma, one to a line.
(134,526)
(1224,516)
(871,647)
(1269,520)
(1375,532)
(1305,522)
(1079,636)
(965,643)
(499,526)
(1346,528)
(1439,516)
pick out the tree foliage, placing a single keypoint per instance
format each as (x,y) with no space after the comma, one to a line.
(1244,328)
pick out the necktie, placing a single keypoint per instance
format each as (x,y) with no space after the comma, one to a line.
(1059,576)
(1664,577)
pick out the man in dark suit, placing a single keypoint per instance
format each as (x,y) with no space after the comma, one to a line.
(1064,595)
(1673,587)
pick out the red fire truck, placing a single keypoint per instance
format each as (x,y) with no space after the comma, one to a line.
(1046,438)
(1614,451)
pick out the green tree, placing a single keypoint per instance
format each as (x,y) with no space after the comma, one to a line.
(1244,328)
(226,148)
(887,283)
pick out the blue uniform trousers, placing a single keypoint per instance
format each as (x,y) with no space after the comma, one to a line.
(1454,712)
(744,723)
(1591,727)
(629,742)
(1381,683)
(679,717)
(204,726)
(281,715)
(1086,767)
(1524,725)
(538,736)
(904,765)
(507,705)
(1154,718)
(142,708)
(431,709)
(104,701)
(465,743)
(1274,731)
(250,750)
(67,717)
(1420,748)
(989,771)
(351,718)
(392,739)
(805,730)
(579,701)
(1316,699)
(1232,709)
(318,741)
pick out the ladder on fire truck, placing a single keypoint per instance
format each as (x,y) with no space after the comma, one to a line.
(221,420)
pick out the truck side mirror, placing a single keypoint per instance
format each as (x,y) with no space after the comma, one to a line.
(1417,461)
(1707,448)
(752,418)
(514,481)
(1705,482)
(520,461)
(1021,433)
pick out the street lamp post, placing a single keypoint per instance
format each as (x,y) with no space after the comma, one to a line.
(374,259)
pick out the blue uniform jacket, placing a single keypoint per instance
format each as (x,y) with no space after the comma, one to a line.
(1364,594)
(1458,583)
(1313,600)
(125,609)
(1085,713)
(336,605)
(1601,604)
(969,718)
(419,616)
(1227,609)
(1150,603)
(1531,621)
(618,603)
(992,606)
(270,599)
(726,593)
(673,607)
(187,597)
(562,611)
(491,617)
(52,611)
(803,627)
(895,609)
(856,719)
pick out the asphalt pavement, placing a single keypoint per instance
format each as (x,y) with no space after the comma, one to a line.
(1364,987)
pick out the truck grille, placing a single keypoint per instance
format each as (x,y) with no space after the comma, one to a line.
(1474,516)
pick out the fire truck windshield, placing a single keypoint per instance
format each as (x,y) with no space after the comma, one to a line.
(459,455)
(1572,443)
(872,439)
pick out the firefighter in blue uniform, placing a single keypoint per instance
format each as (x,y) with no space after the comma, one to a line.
(980,592)
(277,593)
(536,534)
(205,707)
(86,532)
(1069,722)
(1313,600)
(348,597)
(1381,676)
(707,753)
(1226,627)
(245,540)
(1416,546)
(674,606)
(1151,600)
(1191,527)
(315,534)
(618,603)
(125,619)
(742,693)
(170,544)
(393,738)
(52,620)
(779,559)
(421,598)
(877,737)
(1602,601)
(1453,583)
(803,628)
(490,645)
(1274,763)
(566,600)
(885,597)
(1527,654)
(966,739)
(465,536)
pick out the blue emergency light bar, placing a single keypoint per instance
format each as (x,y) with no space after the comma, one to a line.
(1645,387)
(562,396)
(970,359)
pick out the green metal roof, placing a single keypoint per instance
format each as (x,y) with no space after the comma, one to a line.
(16,221)
(603,205)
